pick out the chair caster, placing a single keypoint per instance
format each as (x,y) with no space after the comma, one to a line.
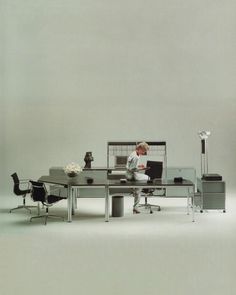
(224,211)
(201,211)
(151,212)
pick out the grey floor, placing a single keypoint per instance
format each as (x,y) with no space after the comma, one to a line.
(162,253)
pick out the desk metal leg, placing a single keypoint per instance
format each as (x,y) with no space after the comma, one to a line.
(188,202)
(75,198)
(74,191)
(73,201)
(193,204)
(69,203)
(107,205)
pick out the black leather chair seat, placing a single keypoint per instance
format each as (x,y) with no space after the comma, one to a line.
(53,199)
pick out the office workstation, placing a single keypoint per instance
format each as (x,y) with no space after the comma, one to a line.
(110,180)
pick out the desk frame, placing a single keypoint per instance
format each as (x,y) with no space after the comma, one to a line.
(72,188)
(190,196)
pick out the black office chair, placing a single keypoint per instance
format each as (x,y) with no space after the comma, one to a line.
(19,192)
(154,172)
(39,194)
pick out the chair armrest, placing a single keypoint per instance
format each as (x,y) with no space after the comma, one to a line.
(24,180)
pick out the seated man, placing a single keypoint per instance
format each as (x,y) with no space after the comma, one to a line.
(133,168)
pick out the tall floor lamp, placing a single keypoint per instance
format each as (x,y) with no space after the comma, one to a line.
(204,151)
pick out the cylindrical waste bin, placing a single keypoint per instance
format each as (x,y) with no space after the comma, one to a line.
(117,206)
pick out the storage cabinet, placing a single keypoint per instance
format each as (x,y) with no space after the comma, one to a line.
(212,195)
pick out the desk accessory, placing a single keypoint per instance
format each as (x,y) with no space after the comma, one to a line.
(178,179)
(211,177)
(88,158)
(89,180)
(72,169)
(149,181)
(123,180)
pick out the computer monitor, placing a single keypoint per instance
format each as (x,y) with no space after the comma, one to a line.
(155,169)
(120,161)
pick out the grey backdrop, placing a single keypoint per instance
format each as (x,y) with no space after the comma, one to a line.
(75,74)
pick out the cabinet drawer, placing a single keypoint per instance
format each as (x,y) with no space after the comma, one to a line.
(213,195)
(211,186)
(213,201)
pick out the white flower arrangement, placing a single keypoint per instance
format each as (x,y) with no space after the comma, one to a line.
(72,168)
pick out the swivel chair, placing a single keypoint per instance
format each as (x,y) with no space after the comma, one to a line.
(39,194)
(154,172)
(19,192)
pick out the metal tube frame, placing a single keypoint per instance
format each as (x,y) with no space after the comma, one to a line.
(190,196)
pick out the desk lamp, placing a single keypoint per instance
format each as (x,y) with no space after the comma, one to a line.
(204,151)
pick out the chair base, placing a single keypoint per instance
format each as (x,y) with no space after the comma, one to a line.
(46,216)
(23,207)
(150,207)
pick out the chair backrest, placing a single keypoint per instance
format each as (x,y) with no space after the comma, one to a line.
(15,178)
(38,191)
(155,169)
(16,187)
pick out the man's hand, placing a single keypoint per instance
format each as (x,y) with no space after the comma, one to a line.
(141,167)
